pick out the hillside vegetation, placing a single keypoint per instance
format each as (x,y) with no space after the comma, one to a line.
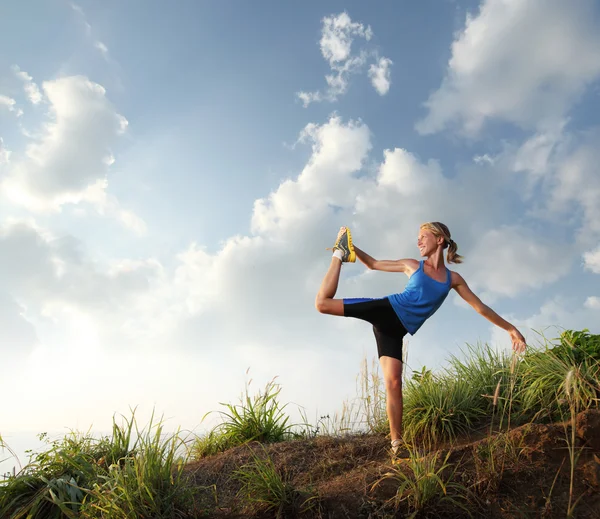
(490,435)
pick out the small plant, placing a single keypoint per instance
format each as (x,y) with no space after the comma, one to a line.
(578,346)
(427,485)
(492,456)
(262,485)
(210,443)
(260,419)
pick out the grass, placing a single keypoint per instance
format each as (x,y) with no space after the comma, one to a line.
(440,408)
(264,486)
(149,482)
(427,484)
(259,418)
(491,458)
(543,392)
(82,477)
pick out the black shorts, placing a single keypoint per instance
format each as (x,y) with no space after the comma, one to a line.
(388,329)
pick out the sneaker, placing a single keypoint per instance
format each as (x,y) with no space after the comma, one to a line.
(344,244)
(405,452)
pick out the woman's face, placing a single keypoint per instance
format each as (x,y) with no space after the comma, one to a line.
(427,242)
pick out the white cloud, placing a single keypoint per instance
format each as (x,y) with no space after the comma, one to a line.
(380,75)
(524,62)
(4,153)
(107,205)
(338,34)
(7,102)
(591,260)
(102,48)
(557,178)
(555,315)
(535,155)
(31,89)
(512,260)
(484,159)
(592,302)
(68,161)
(575,186)
(403,172)
(99,45)
(338,152)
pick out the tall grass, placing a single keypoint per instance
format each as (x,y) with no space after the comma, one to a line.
(439,408)
(487,383)
(543,391)
(53,484)
(83,477)
(149,482)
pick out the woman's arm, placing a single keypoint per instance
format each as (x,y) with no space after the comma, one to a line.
(460,285)
(401,265)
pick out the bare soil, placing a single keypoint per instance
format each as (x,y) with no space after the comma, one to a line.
(517,474)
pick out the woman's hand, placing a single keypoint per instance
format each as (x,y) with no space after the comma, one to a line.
(518,341)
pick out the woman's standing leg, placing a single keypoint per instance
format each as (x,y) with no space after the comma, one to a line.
(392,375)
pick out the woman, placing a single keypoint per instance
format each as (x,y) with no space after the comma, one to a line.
(396,315)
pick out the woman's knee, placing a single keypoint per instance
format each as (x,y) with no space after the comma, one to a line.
(321,304)
(329,306)
(393,384)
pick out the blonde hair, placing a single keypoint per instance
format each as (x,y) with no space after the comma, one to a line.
(439,229)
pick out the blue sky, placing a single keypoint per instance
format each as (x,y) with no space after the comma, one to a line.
(167,194)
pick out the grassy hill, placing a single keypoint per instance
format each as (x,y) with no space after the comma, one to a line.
(490,435)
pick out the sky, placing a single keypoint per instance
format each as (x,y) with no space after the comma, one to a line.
(172,173)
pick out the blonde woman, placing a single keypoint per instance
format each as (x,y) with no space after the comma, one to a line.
(396,315)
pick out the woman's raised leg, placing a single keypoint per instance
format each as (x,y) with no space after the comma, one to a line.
(325,303)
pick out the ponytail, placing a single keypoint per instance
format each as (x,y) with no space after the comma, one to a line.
(453,257)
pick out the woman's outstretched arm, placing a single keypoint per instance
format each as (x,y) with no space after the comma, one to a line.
(460,285)
(401,265)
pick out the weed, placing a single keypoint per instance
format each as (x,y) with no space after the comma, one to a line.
(426,485)
(262,485)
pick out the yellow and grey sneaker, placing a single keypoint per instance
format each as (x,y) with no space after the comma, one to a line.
(402,451)
(344,245)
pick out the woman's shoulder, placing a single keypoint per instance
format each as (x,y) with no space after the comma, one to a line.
(456,278)
(411,265)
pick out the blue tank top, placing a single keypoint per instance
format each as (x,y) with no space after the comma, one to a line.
(420,299)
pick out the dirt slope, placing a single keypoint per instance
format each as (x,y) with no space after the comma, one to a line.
(522,473)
